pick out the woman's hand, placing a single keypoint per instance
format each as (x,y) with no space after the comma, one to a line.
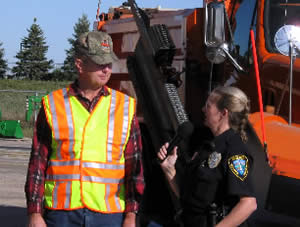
(167,161)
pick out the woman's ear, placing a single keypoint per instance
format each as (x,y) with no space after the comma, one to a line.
(224,112)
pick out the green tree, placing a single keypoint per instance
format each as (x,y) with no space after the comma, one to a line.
(58,75)
(82,26)
(3,63)
(32,62)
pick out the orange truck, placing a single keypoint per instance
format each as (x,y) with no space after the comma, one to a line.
(213,47)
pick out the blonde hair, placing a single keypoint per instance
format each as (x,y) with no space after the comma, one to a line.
(238,106)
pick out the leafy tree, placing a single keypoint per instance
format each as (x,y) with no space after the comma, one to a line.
(3,63)
(32,62)
(80,27)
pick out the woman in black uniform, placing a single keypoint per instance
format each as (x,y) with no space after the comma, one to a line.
(217,179)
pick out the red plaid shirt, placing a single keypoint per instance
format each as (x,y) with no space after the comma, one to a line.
(41,149)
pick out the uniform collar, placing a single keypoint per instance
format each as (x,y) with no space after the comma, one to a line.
(221,140)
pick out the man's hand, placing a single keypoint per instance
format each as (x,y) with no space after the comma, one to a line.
(129,220)
(36,220)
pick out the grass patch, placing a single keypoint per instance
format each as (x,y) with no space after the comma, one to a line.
(13,94)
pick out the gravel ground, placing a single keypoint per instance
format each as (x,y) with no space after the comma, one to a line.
(14,156)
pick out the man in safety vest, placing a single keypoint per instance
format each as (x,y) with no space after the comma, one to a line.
(85,167)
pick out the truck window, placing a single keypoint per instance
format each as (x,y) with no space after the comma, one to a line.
(278,13)
(241,24)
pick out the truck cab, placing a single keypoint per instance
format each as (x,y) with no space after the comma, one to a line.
(278,177)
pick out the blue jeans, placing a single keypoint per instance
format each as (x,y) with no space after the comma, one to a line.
(82,218)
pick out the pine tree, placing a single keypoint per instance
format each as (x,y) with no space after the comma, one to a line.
(80,27)
(3,63)
(32,62)
(57,75)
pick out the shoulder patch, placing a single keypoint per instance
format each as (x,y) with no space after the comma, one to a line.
(238,164)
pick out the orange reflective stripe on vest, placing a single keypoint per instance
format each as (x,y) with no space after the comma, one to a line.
(86,167)
(61,194)
(63,129)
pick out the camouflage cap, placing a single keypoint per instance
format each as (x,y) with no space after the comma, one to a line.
(97,46)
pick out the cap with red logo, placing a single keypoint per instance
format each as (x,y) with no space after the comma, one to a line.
(97,46)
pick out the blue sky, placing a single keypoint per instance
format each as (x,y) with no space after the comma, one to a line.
(57,19)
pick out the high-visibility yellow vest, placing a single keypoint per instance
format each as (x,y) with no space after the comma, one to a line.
(86,166)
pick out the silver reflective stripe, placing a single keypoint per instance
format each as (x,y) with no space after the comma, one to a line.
(102,165)
(107,191)
(65,163)
(70,122)
(102,180)
(55,124)
(117,198)
(68,194)
(63,177)
(125,124)
(111,125)
(55,195)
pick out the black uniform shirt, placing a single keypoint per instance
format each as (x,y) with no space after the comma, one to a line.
(222,182)
(236,166)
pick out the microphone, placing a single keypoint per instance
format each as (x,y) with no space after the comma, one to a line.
(184,130)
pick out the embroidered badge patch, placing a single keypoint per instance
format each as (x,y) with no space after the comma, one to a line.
(105,46)
(239,166)
(214,159)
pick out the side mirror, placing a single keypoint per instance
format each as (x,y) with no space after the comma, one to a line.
(214,35)
(217,49)
(214,24)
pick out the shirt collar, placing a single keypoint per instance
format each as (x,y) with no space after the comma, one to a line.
(74,90)
(221,140)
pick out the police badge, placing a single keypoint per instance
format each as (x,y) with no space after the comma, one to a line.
(214,159)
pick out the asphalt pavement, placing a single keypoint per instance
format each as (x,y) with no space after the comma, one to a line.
(14,156)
